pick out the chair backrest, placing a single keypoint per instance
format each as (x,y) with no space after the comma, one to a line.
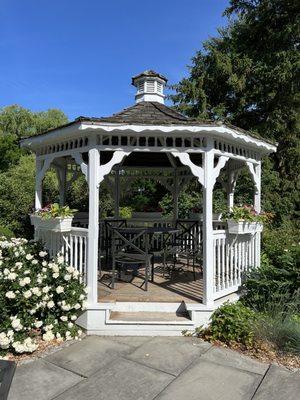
(130,240)
(190,236)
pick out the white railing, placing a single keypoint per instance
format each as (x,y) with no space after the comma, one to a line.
(72,245)
(234,255)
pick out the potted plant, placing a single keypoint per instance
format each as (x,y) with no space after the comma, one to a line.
(53,217)
(244,220)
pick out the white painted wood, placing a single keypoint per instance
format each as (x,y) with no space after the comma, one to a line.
(208,247)
(93,182)
(176,191)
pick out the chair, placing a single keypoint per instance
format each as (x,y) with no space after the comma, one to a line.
(130,246)
(108,225)
(187,243)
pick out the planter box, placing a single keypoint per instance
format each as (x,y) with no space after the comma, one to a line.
(146,215)
(52,224)
(244,227)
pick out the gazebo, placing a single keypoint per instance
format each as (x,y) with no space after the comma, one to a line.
(148,140)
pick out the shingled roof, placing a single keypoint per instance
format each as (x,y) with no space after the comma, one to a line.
(145,112)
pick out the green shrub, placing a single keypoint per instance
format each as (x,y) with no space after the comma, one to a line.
(232,322)
(38,297)
(281,330)
(6,232)
(125,212)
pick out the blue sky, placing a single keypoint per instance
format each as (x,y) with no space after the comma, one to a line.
(79,56)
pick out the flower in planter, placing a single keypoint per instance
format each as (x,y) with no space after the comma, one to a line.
(245,213)
(55,211)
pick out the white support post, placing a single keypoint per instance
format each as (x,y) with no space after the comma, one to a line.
(257,207)
(117,193)
(38,184)
(208,250)
(93,182)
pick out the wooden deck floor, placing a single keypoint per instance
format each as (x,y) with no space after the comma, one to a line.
(181,286)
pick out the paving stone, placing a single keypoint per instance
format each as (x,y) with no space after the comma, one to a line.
(205,380)
(279,384)
(89,355)
(133,341)
(171,355)
(123,379)
(40,380)
(234,359)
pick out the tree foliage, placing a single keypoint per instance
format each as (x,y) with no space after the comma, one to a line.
(248,76)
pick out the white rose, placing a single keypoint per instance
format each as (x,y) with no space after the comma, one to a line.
(60,259)
(70,325)
(82,297)
(34,262)
(73,317)
(27,280)
(12,276)
(27,294)
(70,269)
(55,275)
(64,318)
(59,289)
(10,294)
(38,324)
(19,264)
(50,304)
(44,263)
(45,289)
(29,257)
(36,291)
(67,277)
(43,253)
(48,336)
(16,324)
(77,306)
(6,271)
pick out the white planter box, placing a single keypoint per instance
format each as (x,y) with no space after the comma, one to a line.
(146,215)
(244,227)
(52,224)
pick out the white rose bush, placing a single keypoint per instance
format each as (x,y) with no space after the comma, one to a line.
(40,299)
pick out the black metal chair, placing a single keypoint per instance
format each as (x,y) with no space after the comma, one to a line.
(186,244)
(108,225)
(130,250)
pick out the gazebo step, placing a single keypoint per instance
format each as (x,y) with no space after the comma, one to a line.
(149,318)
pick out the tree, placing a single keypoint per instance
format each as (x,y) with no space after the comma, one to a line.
(248,76)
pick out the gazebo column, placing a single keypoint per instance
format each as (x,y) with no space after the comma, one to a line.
(232,176)
(208,250)
(93,234)
(255,171)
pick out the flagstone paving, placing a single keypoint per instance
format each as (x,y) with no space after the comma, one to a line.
(147,368)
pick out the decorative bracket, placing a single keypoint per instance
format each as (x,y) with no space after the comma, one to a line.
(83,166)
(46,165)
(105,169)
(197,171)
(255,174)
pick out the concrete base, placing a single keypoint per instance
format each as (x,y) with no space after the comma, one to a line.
(97,319)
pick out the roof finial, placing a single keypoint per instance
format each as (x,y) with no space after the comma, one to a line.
(150,86)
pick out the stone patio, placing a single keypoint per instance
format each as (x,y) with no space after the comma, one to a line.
(146,368)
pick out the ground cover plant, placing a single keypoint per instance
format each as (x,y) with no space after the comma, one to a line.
(39,298)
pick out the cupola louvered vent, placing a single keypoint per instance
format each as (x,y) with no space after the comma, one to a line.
(150,86)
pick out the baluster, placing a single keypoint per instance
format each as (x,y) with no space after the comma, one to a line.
(76,252)
(223,263)
(219,263)
(80,255)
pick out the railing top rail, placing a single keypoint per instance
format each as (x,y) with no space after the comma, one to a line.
(219,233)
(79,231)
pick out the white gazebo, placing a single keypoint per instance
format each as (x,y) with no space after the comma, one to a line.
(151,139)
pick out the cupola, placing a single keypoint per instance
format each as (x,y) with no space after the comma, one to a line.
(150,86)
